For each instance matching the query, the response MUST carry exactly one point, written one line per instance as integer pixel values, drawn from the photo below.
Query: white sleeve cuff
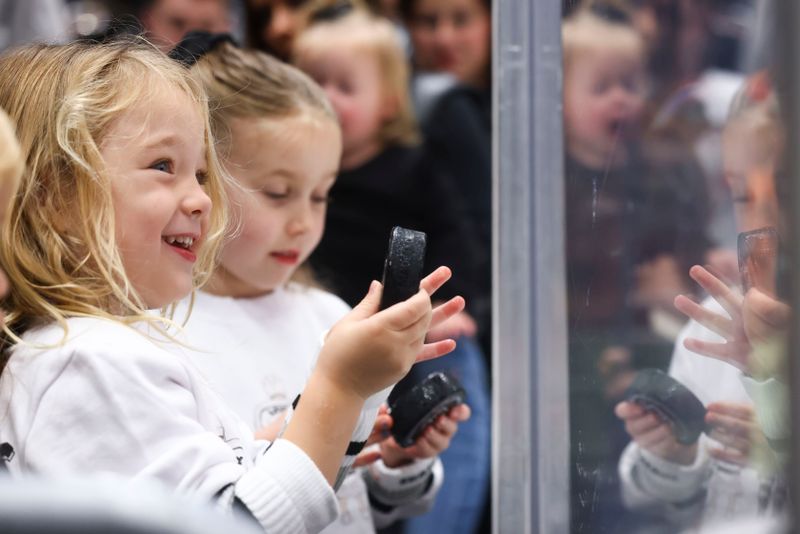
(286, 492)
(400, 485)
(669, 481)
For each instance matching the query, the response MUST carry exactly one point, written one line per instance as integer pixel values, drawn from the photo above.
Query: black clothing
(396, 188)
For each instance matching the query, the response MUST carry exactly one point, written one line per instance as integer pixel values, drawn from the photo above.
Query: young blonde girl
(258, 332)
(387, 178)
(120, 211)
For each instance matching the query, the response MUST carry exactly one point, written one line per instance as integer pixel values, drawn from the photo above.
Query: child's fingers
(444, 311)
(435, 280)
(407, 314)
(445, 425)
(628, 410)
(460, 412)
(729, 455)
(433, 441)
(380, 429)
(740, 411)
(733, 353)
(739, 444)
(435, 350)
(713, 321)
(367, 457)
(655, 436)
(730, 300)
(730, 425)
(642, 425)
(370, 303)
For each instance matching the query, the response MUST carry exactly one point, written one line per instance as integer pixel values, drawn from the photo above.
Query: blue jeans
(467, 462)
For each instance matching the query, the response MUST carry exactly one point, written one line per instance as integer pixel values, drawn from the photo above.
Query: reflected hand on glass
(735, 350)
(734, 426)
(653, 434)
(755, 318)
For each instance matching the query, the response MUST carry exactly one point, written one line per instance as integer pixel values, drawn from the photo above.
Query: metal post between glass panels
(531, 412)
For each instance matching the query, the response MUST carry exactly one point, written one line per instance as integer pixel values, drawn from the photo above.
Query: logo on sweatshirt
(6, 452)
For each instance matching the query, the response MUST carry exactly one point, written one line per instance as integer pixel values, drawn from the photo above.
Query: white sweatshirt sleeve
(397, 493)
(137, 412)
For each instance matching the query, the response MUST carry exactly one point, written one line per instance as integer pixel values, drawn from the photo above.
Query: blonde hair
(244, 84)
(756, 110)
(360, 30)
(586, 31)
(59, 249)
(10, 166)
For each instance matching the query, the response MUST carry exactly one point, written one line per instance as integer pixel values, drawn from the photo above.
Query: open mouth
(183, 245)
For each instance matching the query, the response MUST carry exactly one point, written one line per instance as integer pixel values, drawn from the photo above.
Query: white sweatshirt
(706, 491)
(110, 399)
(258, 353)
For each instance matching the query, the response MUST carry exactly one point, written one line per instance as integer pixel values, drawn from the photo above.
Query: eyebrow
(158, 142)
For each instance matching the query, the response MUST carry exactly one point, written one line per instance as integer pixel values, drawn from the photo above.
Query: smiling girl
(120, 211)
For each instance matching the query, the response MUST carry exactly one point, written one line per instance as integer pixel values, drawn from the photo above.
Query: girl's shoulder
(95, 344)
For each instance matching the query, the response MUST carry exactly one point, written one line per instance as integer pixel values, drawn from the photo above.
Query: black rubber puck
(414, 410)
(658, 392)
(402, 269)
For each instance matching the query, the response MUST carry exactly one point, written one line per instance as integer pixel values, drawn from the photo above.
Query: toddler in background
(120, 211)
(387, 179)
(258, 332)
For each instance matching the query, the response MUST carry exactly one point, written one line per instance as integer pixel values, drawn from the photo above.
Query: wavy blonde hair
(10, 166)
(376, 36)
(59, 249)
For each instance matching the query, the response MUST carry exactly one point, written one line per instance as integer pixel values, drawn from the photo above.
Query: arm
(363, 354)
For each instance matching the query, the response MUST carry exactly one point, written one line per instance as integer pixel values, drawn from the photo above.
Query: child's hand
(653, 434)
(735, 427)
(369, 350)
(735, 350)
(433, 440)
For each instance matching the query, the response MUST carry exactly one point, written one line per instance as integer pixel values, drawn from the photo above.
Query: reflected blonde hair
(59, 249)
(362, 31)
(585, 31)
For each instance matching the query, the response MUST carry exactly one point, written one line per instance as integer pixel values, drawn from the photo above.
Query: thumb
(370, 303)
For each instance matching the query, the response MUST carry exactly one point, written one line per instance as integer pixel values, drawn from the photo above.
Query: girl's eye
(202, 177)
(163, 165)
(275, 195)
(321, 199)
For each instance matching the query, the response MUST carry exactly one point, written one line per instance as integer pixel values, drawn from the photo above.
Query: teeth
(183, 241)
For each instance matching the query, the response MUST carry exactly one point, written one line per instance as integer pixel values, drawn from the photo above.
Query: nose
(300, 220)
(196, 203)
(444, 33)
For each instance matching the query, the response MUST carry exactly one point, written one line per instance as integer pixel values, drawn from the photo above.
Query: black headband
(198, 43)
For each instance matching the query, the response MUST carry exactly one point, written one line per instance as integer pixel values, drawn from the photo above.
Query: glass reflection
(672, 169)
